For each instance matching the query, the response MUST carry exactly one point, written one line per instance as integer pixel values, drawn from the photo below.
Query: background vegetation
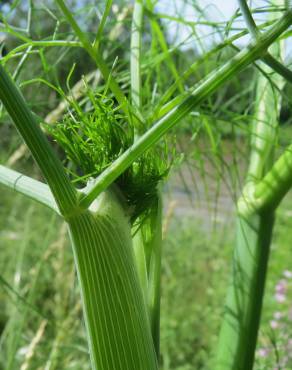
(40, 313)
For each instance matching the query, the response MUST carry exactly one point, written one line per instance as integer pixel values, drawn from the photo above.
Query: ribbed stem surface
(50, 165)
(114, 307)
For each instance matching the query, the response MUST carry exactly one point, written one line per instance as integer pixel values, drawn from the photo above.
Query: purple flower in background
(263, 352)
(281, 287)
(274, 324)
(287, 274)
(280, 298)
(278, 315)
(280, 324)
(281, 290)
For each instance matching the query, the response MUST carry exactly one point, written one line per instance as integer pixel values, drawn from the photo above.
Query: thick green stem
(207, 87)
(115, 311)
(239, 330)
(51, 167)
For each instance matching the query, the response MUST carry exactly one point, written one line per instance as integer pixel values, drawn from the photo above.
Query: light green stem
(101, 26)
(33, 189)
(154, 287)
(275, 185)
(141, 260)
(147, 244)
(41, 44)
(136, 38)
(147, 247)
(115, 311)
(239, 331)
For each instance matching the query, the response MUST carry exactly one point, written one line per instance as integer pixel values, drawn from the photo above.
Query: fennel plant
(109, 190)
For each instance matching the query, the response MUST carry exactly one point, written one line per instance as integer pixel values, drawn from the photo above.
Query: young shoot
(93, 136)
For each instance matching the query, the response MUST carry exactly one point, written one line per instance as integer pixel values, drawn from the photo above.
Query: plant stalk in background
(239, 331)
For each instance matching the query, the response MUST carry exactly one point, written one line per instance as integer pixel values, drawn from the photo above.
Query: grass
(41, 320)
(44, 279)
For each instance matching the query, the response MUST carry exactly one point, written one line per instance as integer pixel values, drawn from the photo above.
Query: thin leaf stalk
(95, 54)
(136, 40)
(154, 292)
(114, 309)
(27, 186)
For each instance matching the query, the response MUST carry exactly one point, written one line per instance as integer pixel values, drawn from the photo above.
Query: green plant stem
(102, 24)
(97, 57)
(41, 44)
(267, 191)
(27, 186)
(275, 185)
(268, 58)
(154, 275)
(147, 244)
(135, 67)
(208, 86)
(136, 32)
(115, 311)
(250, 23)
(240, 325)
(140, 258)
(264, 131)
(271, 189)
(51, 167)
(161, 109)
(239, 329)
(158, 34)
(278, 67)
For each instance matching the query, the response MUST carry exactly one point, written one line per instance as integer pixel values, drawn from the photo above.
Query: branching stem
(268, 58)
(51, 167)
(33, 189)
(208, 86)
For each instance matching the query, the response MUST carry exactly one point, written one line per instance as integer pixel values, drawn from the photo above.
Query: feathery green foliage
(95, 138)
